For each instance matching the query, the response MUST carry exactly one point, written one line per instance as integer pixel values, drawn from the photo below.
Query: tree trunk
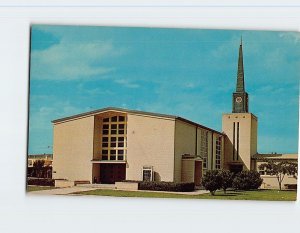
(280, 186)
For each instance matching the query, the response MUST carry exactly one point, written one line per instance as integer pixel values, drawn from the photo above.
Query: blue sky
(185, 72)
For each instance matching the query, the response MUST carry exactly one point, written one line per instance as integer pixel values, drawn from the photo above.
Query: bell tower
(240, 96)
(240, 126)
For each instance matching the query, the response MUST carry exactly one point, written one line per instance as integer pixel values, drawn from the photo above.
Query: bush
(246, 180)
(40, 181)
(227, 179)
(166, 186)
(212, 181)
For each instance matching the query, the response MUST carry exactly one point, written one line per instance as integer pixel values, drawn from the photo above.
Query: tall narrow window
(233, 144)
(204, 148)
(218, 152)
(237, 141)
(114, 138)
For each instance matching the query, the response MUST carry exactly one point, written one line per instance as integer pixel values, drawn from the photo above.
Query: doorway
(111, 173)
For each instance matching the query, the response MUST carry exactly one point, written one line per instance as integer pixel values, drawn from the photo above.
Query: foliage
(227, 179)
(247, 180)
(166, 186)
(39, 170)
(280, 169)
(212, 181)
(40, 181)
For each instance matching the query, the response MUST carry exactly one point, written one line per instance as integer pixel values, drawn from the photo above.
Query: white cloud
(127, 83)
(71, 61)
(40, 118)
(294, 36)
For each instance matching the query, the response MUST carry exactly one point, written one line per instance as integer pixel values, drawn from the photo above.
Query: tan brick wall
(73, 149)
(185, 143)
(187, 170)
(247, 135)
(150, 142)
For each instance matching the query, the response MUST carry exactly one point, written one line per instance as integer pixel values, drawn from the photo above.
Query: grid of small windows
(218, 152)
(204, 147)
(114, 138)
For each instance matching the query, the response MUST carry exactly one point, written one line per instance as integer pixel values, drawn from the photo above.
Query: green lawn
(264, 195)
(37, 188)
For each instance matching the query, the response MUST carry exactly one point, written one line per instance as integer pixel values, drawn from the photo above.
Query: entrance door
(236, 168)
(111, 173)
(198, 173)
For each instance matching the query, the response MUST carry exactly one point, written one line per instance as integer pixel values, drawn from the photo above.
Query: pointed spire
(240, 86)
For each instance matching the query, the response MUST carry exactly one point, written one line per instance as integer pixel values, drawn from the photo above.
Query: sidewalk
(82, 188)
(61, 191)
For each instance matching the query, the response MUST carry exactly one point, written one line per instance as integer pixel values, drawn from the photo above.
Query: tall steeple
(240, 86)
(240, 96)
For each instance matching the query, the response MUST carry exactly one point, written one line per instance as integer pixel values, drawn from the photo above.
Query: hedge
(40, 181)
(166, 186)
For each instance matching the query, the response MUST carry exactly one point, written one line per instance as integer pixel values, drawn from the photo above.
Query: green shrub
(246, 180)
(166, 186)
(212, 181)
(40, 181)
(227, 179)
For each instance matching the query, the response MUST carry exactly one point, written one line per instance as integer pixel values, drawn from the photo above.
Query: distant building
(114, 144)
(47, 158)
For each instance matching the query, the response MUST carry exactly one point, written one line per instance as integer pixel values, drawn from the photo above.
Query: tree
(226, 179)
(38, 166)
(279, 169)
(246, 180)
(212, 181)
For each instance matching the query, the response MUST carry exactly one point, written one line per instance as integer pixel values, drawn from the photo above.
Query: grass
(263, 195)
(32, 188)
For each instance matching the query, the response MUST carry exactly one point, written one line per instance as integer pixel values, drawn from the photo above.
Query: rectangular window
(205, 162)
(113, 152)
(147, 174)
(218, 152)
(104, 144)
(113, 131)
(233, 145)
(105, 132)
(114, 119)
(204, 147)
(113, 138)
(113, 144)
(237, 141)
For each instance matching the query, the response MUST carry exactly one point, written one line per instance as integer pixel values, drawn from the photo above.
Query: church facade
(114, 144)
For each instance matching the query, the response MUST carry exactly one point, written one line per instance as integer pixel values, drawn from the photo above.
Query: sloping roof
(98, 111)
(36, 156)
(274, 156)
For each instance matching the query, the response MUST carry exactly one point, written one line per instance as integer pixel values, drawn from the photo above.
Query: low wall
(64, 183)
(271, 182)
(126, 185)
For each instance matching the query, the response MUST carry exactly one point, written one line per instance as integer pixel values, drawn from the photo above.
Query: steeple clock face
(238, 99)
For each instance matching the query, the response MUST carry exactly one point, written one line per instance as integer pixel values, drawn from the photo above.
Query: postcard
(163, 113)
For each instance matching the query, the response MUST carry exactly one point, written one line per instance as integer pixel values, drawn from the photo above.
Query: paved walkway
(82, 188)
(60, 191)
